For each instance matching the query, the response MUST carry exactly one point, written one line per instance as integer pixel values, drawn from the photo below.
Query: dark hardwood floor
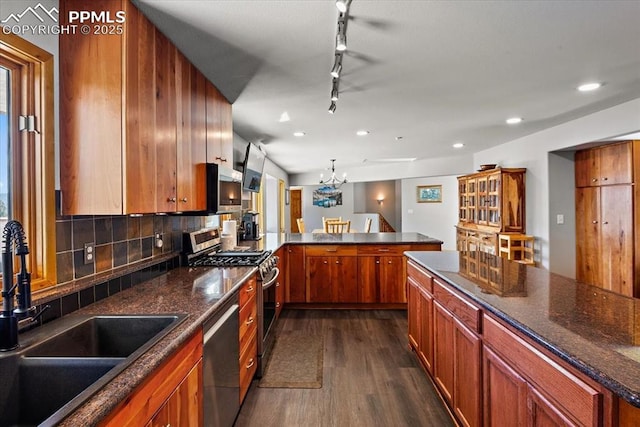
(370, 377)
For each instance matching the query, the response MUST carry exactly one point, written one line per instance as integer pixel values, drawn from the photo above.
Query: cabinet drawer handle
(337, 262)
(183, 200)
(250, 289)
(171, 199)
(222, 159)
(277, 304)
(331, 250)
(251, 363)
(594, 222)
(249, 321)
(594, 180)
(383, 250)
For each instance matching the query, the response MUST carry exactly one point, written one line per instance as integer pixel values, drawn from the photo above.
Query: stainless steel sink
(47, 380)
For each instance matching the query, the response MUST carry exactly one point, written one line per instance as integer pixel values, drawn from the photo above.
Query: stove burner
(230, 259)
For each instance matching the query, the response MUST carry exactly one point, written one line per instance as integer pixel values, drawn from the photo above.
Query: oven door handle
(274, 276)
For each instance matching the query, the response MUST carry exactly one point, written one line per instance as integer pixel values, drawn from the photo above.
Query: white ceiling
(431, 72)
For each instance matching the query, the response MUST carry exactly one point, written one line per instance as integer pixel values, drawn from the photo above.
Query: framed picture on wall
(429, 193)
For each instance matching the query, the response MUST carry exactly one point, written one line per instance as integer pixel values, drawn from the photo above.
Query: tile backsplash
(119, 241)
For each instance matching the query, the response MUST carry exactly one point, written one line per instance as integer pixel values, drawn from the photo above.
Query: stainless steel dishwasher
(221, 369)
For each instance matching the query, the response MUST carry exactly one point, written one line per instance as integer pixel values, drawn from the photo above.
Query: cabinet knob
(277, 304)
(606, 222)
(249, 321)
(277, 284)
(183, 200)
(389, 262)
(377, 262)
(251, 363)
(326, 262)
(337, 262)
(594, 222)
(605, 178)
(250, 289)
(171, 199)
(594, 180)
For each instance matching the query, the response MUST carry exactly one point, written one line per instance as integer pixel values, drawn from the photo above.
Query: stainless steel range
(202, 249)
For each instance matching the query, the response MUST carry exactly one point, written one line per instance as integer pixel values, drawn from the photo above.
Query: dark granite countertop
(272, 241)
(594, 330)
(196, 292)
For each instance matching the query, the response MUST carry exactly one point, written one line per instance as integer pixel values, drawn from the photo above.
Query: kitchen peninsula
(494, 333)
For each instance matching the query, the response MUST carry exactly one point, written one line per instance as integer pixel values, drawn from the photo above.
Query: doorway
(295, 208)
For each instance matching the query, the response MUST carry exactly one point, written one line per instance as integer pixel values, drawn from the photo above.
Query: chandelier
(333, 180)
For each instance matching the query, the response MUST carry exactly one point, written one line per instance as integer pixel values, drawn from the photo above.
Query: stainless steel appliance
(220, 368)
(202, 249)
(251, 226)
(224, 189)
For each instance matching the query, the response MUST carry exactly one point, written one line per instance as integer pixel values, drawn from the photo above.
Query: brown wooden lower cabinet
(296, 288)
(173, 390)
(247, 335)
(491, 375)
(183, 407)
(505, 393)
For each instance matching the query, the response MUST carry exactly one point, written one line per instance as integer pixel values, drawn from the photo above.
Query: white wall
(562, 237)
(532, 152)
(433, 219)
(271, 201)
(454, 165)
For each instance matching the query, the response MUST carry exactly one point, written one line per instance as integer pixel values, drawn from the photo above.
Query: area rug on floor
(295, 362)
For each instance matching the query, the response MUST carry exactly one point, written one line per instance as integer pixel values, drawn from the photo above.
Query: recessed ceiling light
(284, 117)
(399, 138)
(298, 134)
(514, 120)
(458, 145)
(588, 87)
(362, 132)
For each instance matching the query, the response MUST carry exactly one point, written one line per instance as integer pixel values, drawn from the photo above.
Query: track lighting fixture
(337, 66)
(334, 90)
(341, 46)
(341, 37)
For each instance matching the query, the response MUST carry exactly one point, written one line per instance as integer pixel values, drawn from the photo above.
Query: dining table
(321, 230)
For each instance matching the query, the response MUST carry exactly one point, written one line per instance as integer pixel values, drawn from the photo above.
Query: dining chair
(338, 226)
(367, 225)
(325, 220)
(300, 222)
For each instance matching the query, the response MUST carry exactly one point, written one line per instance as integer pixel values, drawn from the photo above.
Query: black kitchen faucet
(13, 235)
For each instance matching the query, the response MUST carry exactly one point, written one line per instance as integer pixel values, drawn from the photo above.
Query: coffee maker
(251, 226)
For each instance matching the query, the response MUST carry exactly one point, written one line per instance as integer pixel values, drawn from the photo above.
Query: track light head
(332, 108)
(341, 42)
(334, 93)
(337, 68)
(342, 5)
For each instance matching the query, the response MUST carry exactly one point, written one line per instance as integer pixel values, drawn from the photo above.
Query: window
(27, 176)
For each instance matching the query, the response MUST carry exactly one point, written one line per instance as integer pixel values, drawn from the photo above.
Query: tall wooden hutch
(490, 202)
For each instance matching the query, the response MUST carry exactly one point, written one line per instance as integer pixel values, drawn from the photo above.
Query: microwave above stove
(224, 189)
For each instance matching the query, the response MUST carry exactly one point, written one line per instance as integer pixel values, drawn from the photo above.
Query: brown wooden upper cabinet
(134, 120)
(219, 128)
(606, 165)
